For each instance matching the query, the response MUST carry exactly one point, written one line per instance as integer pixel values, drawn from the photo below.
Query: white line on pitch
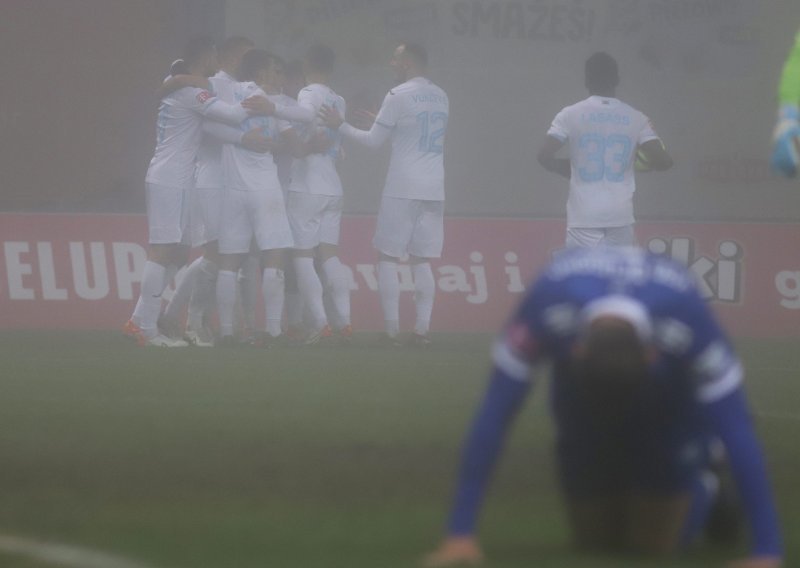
(63, 554)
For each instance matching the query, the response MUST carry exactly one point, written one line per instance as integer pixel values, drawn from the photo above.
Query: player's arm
(175, 82)
(319, 143)
(252, 140)
(731, 421)
(372, 138)
(547, 157)
(653, 156)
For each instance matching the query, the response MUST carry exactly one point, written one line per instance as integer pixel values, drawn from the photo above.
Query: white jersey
(246, 170)
(208, 172)
(284, 159)
(180, 130)
(316, 173)
(603, 135)
(416, 112)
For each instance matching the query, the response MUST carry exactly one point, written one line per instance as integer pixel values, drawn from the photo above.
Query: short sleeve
(647, 131)
(559, 127)
(389, 113)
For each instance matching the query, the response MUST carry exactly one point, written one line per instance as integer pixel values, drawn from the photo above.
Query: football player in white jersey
(606, 138)
(253, 206)
(315, 200)
(411, 218)
(197, 287)
(169, 179)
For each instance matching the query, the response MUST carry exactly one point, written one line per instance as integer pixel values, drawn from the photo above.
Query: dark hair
(179, 67)
(196, 48)
(417, 53)
(255, 61)
(602, 72)
(610, 369)
(235, 43)
(320, 58)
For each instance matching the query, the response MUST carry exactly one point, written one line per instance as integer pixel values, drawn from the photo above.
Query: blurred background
(77, 102)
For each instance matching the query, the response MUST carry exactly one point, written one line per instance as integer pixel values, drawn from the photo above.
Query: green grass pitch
(315, 457)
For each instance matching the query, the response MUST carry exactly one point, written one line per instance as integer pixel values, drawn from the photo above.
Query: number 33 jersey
(602, 134)
(416, 112)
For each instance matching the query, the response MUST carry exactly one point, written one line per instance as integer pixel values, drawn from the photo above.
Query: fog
(78, 123)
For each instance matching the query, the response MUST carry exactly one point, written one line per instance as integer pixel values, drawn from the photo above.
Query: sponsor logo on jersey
(204, 96)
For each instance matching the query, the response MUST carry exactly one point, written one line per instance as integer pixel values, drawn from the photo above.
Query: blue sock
(704, 491)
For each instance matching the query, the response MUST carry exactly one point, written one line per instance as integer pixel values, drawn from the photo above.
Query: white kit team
(248, 173)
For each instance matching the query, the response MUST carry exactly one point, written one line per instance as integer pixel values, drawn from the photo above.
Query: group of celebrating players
(245, 167)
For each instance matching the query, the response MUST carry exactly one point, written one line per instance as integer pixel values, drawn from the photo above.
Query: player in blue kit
(644, 380)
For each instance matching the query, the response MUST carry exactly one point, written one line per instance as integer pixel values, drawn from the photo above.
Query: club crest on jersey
(204, 96)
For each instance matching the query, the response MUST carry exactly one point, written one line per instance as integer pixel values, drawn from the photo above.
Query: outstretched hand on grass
(457, 551)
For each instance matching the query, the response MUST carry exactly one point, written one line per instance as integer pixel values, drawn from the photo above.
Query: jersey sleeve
(715, 368)
(199, 100)
(389, 113)
(789, 88)
(559, 127)
(647, 132)
(521, 343)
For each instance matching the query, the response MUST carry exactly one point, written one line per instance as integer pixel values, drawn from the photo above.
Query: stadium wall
(82, 271)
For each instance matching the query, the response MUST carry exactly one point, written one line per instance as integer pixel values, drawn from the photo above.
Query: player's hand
(258, 105)
(757, 562)
(330, 117)
(786, 142)
(255, 141)
(455, 551)
(364, 119)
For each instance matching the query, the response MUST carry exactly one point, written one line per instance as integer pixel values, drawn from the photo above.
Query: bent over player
(643, 380)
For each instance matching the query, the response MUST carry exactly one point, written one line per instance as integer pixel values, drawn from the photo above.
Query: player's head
(319, 60)
(231, 52)
(409, 60)
(200, 56)
(261, 67)
(612, 354)
(602, 74)
(293, 78)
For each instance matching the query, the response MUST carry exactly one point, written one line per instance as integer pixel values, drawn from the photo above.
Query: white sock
(226, 300)
(389, 290)
(148, 307)
(339, 288)
(248, 281)
(424, 291)
(272, 286)
(183, 291)
(311, 290)
(204, 296)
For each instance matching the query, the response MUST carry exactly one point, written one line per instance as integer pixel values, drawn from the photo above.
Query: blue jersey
(691, 392)
(695, 363)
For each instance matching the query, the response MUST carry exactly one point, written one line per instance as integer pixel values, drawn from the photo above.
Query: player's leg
(293, 303)
(235, 235)
(304, 219)
(250, 290)
(204, 297)
(427, 241)
(273, 237)
(273, 291)
(167, 213)
(337, 276)
(393, 230)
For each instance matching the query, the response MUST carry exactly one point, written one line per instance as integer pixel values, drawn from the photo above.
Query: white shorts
(314, 219)
(605, 236)
(410, 226)
(167, 214)
(206, 211)
(248, 215)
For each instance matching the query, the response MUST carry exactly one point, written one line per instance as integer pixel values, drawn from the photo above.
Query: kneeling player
(643, 380)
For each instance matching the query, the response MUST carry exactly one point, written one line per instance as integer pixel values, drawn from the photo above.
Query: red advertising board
(82, 271)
